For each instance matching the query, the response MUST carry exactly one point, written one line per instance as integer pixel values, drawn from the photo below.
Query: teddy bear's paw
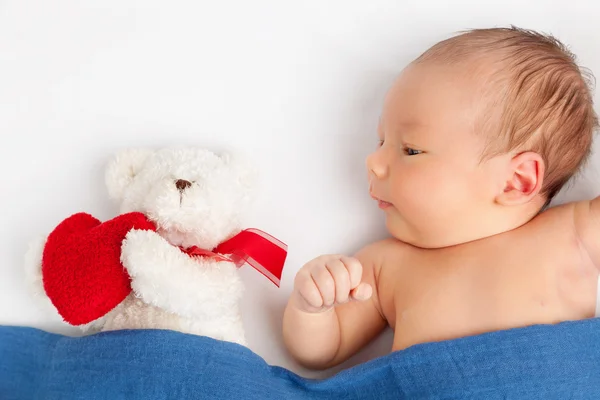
(159, 271)
(33, 274)
(144, 252)
(33, 262)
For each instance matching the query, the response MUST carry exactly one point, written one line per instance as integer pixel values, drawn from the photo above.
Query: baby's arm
(333, 310)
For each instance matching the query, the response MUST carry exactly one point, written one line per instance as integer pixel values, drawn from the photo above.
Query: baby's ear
(122, 169)
(525, 179)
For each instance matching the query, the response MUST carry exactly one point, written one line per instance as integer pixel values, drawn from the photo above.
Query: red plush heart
(81, 268)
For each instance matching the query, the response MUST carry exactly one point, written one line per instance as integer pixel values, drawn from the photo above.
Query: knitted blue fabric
(539, 362)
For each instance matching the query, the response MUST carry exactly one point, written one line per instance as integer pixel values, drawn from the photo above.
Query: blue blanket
(539, 362)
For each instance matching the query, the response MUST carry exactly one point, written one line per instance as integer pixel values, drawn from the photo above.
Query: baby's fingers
(342, 280)
(355, 270)
(308, 290)
(362, 292)
(325, 283)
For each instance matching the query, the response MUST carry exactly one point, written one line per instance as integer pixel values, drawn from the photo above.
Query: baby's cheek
(418, 189)
(436, 179)
(448, 186)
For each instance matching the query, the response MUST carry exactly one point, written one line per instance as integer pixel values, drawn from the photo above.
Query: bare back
(536, 274)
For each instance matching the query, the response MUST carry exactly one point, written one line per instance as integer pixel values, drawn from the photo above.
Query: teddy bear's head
(194, 196)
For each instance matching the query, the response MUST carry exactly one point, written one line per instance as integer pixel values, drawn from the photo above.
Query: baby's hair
(536, 97)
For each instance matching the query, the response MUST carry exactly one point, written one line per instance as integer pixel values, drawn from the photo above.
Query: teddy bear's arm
(33, 271)
(165, 277)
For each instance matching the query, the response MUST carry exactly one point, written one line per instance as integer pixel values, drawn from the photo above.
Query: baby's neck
(496, 222)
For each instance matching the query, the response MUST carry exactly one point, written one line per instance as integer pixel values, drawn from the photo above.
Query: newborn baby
(475, 138)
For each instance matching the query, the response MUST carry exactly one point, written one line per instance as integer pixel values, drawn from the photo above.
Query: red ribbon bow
(252, 246)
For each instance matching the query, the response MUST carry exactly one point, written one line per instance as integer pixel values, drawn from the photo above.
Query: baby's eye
(411, 152)
(380, 143)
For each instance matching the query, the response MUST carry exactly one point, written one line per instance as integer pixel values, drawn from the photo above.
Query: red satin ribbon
(252, 246)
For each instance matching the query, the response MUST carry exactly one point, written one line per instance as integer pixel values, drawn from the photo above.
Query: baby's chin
(423, 240)
(400, 232)
(421, 243)
(418, 232)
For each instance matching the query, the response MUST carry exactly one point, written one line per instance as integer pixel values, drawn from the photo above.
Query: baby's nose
(182, 184)
(376, 166)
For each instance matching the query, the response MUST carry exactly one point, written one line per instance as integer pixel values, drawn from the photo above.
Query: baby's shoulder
(586, 220)
(380, 253)
(576, 224)
(384, 260)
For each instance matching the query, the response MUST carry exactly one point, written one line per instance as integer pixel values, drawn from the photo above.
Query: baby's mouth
(384, 204)
(381, 203)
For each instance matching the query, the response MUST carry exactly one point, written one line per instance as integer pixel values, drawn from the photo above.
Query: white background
(297, 85)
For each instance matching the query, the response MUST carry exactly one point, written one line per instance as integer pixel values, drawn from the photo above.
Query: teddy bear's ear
(244, 169)
(122, 169)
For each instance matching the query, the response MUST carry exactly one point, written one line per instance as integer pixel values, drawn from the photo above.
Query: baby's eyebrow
(403, 125)
(411, 124)
(408, 122)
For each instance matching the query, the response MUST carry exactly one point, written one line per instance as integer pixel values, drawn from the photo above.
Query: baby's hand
(329, 280)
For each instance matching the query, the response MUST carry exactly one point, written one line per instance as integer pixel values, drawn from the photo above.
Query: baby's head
(478, 134)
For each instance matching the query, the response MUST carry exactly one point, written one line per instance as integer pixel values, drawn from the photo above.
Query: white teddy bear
(194, 198)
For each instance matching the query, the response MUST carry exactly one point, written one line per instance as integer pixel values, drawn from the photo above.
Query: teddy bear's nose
(182, 184)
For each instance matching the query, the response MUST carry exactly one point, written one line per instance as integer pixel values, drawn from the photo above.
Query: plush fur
(172, 290)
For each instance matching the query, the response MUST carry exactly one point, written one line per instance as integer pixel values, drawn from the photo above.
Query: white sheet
(296, 84)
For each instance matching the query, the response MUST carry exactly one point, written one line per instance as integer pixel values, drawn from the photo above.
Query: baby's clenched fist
(329, 280)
